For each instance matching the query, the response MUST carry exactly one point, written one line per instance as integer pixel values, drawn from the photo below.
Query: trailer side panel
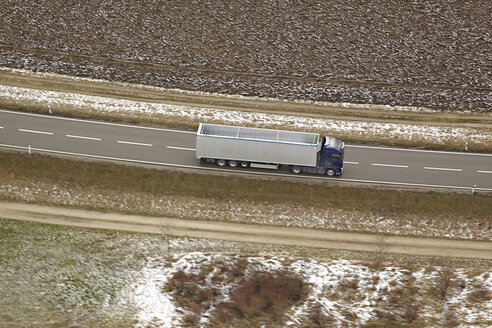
(257, 145)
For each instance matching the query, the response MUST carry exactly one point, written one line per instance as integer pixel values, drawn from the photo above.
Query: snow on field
(153, 306)
(339, 286)
(222, 95)
(195, 115)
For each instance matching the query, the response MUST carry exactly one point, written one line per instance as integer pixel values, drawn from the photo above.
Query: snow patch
(339, 286)
(432, 134)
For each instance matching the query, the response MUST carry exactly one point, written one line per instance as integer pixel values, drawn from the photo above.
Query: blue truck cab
(330, 159)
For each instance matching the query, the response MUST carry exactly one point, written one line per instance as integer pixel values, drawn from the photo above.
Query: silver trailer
(256, 147)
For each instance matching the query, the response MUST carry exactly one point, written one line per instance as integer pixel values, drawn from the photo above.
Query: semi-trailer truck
(237, 146)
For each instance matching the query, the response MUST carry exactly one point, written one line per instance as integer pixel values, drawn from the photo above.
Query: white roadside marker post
(30, 150)
(473, 190)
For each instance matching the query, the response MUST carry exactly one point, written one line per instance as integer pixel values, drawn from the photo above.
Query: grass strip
(158, 182)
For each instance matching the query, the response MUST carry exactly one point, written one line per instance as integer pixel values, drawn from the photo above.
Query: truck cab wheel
(233, 163)
(221, 162)
(244, 164)
(330, 172)
(296, 169)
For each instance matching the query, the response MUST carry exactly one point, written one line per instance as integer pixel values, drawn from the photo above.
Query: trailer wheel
(244, 164)
(296, 169)
(221, 162)
(330, 172)
(233, 163)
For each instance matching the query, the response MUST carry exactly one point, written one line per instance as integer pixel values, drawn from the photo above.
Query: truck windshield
(334, 142)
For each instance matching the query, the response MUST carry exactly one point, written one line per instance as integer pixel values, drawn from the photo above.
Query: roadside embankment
(265, 201)
(353, 123)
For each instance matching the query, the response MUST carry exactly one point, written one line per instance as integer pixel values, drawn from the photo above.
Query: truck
(301, 152)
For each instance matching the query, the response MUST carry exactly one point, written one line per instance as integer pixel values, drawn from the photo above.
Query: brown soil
(249, 232)
(433, 54)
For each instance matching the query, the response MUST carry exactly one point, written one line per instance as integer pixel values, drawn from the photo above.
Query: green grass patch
(51, 276)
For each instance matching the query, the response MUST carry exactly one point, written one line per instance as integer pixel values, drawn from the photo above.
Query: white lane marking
(194, 132)
(442, 169)
(239, 171)
(81, 137)
(180, 148)
(95, 122)
(1, 127)
(484, 171)
(35, 131)
(390, 165)
(420, 150)
(355, 163)
(134, 143)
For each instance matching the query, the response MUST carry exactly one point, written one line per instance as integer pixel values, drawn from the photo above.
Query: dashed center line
(134, 143)
(180, 148)
(38, 132)
(81, 137)
(390, 165)
(355, 163)
(442, 169)
(490, 172)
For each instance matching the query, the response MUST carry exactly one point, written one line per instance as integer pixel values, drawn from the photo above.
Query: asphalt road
(363, 164)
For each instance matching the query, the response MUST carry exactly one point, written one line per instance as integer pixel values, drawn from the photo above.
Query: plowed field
(424, 53)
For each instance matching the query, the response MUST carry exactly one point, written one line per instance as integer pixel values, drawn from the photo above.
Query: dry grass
(260, 297)
(159, 182)
(192, 293)
(318, 318)
(480, 295)
(95, 265)
(148, 191)
(255, 297)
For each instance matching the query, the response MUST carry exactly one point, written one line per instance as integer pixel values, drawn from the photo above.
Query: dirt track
(248, 232)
